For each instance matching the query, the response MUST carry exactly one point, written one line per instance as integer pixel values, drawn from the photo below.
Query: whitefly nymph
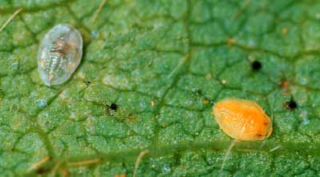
(59, 54)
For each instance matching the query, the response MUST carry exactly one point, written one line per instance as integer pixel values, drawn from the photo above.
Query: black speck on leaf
(114, 106)
(256, 65)
(291, 105)
(42, 171)
(87, 82)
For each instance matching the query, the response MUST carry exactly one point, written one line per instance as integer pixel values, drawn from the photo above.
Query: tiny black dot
(292, 104)
(114, 106)
(42, 171)
(256, 65)
(87, 82)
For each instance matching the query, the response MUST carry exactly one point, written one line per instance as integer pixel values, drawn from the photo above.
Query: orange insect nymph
(242, 119)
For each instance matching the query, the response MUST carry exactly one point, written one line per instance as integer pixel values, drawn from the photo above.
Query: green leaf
(161, 63)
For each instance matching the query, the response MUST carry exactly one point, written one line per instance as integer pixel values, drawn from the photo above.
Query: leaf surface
(161, 63)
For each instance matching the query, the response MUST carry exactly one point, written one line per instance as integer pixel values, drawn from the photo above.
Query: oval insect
(242, 119)
(59, 54)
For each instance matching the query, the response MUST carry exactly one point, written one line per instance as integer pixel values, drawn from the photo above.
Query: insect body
(59, 54)
(242, 119)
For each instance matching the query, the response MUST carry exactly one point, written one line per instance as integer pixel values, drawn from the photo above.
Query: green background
(176, 54)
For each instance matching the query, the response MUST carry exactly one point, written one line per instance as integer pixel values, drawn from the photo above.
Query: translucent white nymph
(59, 54)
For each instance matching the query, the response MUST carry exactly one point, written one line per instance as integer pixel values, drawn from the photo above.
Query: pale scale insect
(59, 54)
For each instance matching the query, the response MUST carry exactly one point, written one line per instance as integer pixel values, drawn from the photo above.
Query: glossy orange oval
(242, 119)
